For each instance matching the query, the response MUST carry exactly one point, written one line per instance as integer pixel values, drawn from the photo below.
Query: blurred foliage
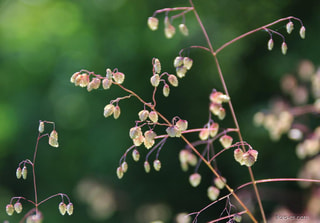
(43, 42)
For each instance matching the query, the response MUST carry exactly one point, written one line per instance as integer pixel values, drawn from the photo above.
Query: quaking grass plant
(151, 130)
(34, 215)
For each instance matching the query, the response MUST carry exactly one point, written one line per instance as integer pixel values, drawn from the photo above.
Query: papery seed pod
(116, 112)
(238, 155)
(78, 80)
(222, 113)
(153, 23)
(18, 172)
(214, 128)
(237, 218)
(90, 87)
(213, 193)
(182, 124)
(106, 83)
(108, 110)
(24, 172)
(226, 141)
(183, 156)
(62, 208)
(184, 166)
(109, 74)
(302, 32)
(204, 134)
(192, 159)
(181, 71)
(84, 80)
(138, 141)
(173, 80)
(135, 155)
(220, 182)
(135, 132)
(250, 157)
(215, 108)
(153, 116)
(284, 48)
(178, 62)
(95, 83)
(289, 27)
(143, 115)
(41, 127)
(187, 63)
(120, 172)
(216, 97)
(173, 131)
(224, 98)
(118, 77)
(195, 179)
(9, 209)
(156, 66)
(124, 166)
(18, 207)
(155, 80)
(148, 143)
(54, 134)
(166, 90)
(270, 44)
(70, 208)
(53, 142)
(169, 31)
(146, 166)
(183, 29)
(150, 135)
(74, 76)
(253, 153)
(157, 165)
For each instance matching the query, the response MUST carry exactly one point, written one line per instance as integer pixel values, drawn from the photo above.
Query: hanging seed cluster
(169, 29)
(284, 117)
(22, 173)
(289, 28)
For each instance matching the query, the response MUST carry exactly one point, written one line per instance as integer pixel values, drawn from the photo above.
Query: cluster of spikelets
(17, 207)
(148, 139)
(209, 134)
(289, 28)
(169, 29)
(247, 158)
(82, 79)
(277, 123)
(65, 208)
(23, 172)
(148, 116)
(182, 65)
(283, 117)
(53, 137)
(216, 100)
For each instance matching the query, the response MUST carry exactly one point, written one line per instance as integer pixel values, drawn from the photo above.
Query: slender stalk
(279, 180)
(195, 151)
(218, 176)
(235, 120)
(214, 54)
(226, 217)
(255, 30)
(34, 174)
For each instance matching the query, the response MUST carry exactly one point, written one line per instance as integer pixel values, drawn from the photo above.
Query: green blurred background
(43, 42)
